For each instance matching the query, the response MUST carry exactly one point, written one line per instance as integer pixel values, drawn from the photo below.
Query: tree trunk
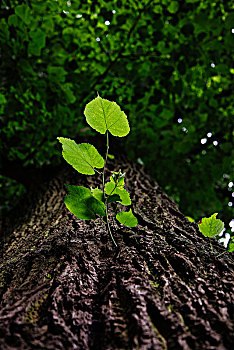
(65, 286)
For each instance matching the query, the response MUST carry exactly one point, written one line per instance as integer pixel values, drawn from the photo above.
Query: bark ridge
(63, 285)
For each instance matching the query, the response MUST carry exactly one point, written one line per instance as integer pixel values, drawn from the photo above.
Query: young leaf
(118, 177)
(190, 219)
(127, 218)
(98, 194)
(103, 115)
(83, 157)
(82, 204)
(231, 246)
(112, 187)
(124, 196)
(211, 226)
(111, 156)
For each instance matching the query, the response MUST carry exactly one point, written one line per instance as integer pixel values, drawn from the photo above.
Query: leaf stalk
(211, 245)
(108, 226)
(104, 194)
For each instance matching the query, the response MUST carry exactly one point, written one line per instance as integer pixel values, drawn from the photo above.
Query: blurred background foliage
(168, 64)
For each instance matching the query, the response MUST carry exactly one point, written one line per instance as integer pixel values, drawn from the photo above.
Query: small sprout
(211, 227)
(105, 117)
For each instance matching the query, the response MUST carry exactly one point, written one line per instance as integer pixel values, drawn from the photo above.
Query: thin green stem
(108, 226)
(103, 188)
(103, 173)
(211, 245)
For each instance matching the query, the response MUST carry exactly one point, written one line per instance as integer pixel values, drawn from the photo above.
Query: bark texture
(64, 285)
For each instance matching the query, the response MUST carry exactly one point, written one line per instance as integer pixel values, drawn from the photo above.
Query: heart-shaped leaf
(103, 115)
(83, 157)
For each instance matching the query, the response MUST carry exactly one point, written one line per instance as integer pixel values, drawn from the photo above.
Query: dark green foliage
(165, 60)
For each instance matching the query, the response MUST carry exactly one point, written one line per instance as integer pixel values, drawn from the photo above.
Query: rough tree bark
(64, 286)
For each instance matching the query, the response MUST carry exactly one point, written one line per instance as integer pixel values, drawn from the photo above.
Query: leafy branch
(105, 117)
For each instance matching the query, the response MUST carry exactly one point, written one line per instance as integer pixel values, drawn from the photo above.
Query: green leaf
(173, 7)
(118, 177)
(127, 218)
(2, 99)
(190, 219)
(57, 74)
(211, 226)
(23, 12)
(13, 20)
(98, 194)
(124, 196)
(38, 42)
(82, 204)
(83, 157)
(103, 115)
(231, 246)
(4, 31)
(112, 187)
(67, 88)
(111, 156)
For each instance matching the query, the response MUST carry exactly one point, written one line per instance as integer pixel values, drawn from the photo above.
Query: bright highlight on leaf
(173, 7)
(211, 226)
(82, 204)
(190, 219)
(83, 157)
(103, 115)
(98, 194)
(111, 156)
(231, 246)
(127, 218)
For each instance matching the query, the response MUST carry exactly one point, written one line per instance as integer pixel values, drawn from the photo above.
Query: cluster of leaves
(213, 227)
(105, 117)
(164, 60)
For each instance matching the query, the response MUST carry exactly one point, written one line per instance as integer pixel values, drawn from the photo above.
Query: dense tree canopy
(166, 63)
